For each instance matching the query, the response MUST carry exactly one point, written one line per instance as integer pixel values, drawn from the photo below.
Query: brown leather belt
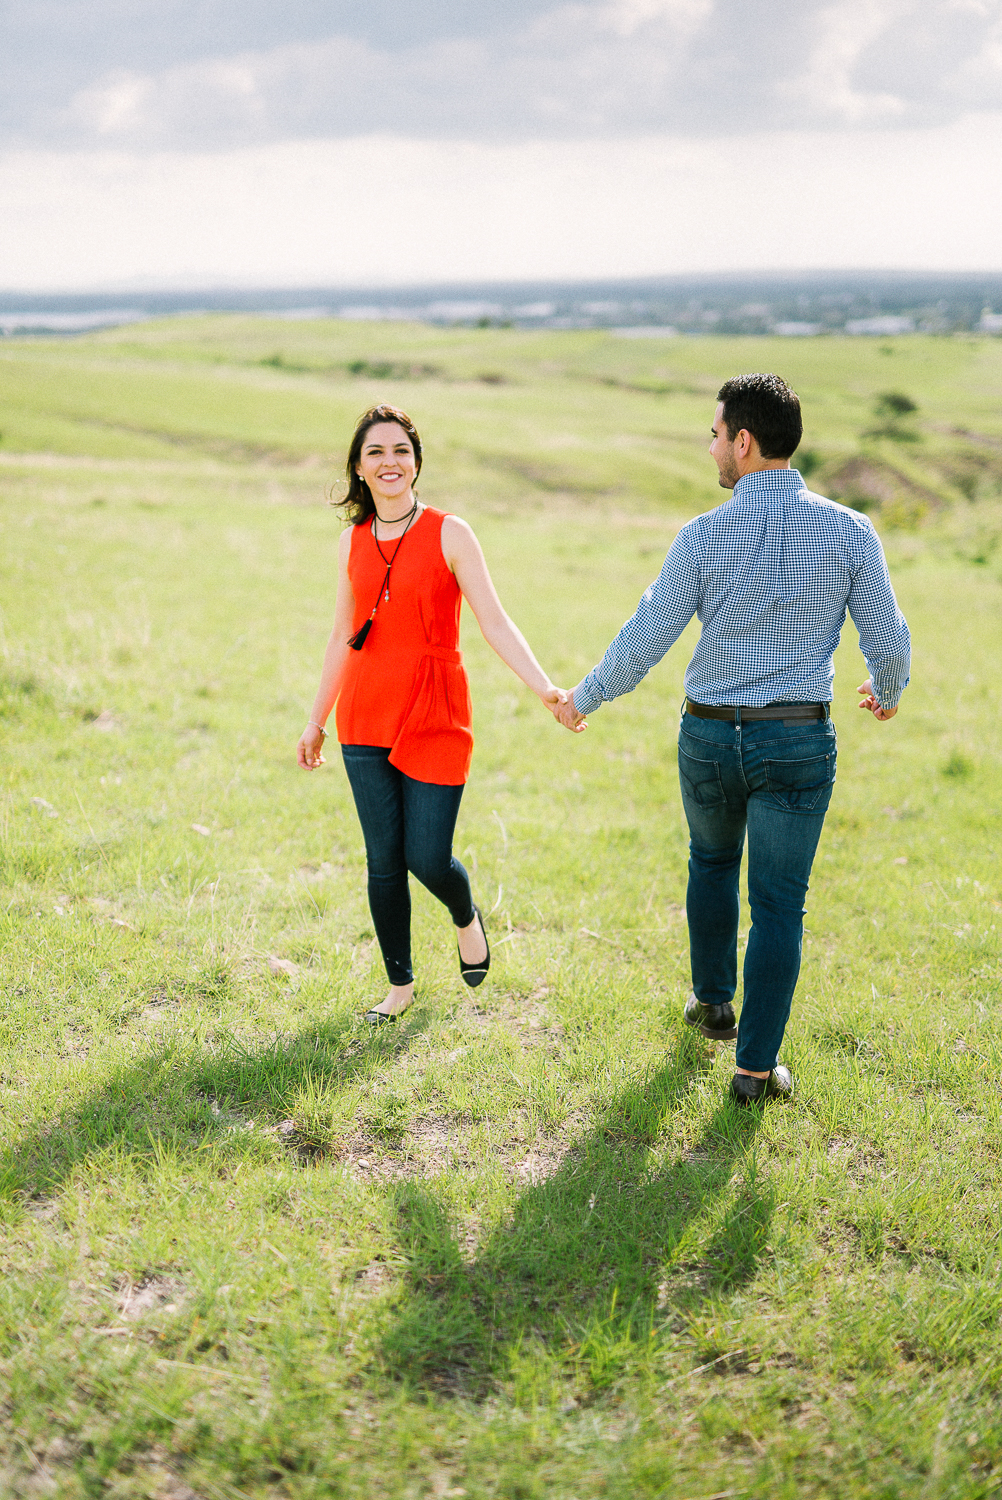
(789, 712)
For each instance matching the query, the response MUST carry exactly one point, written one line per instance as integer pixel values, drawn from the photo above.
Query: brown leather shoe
(778, 1085)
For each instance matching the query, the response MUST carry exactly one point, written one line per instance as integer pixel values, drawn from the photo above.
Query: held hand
(309, 751)
(869, 700)
(557, 701)
(568, 714)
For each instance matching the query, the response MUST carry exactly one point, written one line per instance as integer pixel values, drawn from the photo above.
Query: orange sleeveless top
(407, 688)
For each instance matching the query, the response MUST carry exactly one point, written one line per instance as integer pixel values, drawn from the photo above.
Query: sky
(208, 142)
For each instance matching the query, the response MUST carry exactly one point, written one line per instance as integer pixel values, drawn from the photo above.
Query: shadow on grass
(186, 1100)
(580, 1268)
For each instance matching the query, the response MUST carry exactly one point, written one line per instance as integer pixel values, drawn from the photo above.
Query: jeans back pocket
(802, 784)
(701, 780)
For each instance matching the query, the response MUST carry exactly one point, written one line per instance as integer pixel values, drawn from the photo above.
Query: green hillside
(519, 1245)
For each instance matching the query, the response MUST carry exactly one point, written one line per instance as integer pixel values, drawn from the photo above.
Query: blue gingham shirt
(770, 574)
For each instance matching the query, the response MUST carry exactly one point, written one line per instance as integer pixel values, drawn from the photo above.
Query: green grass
(520, 1245)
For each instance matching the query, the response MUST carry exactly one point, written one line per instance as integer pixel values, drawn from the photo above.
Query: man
(770, 573)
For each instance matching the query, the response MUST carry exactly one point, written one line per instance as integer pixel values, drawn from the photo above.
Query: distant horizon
(786, 304)
(174, 287)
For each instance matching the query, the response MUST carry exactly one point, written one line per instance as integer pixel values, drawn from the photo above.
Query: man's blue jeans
(775, 782)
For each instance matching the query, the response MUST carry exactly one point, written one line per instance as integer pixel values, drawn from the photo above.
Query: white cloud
(625, 18)
(983, 70)
(599, 67)
(843, 33)
(231, 97)
(116, 107)
(299, 213)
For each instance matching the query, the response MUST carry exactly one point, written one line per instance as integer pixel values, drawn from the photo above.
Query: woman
(403, 700)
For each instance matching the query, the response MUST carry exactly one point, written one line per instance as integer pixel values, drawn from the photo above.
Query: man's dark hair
(767, 408)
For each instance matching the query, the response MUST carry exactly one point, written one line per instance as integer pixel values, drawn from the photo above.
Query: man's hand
(568, 714)
(869, 701)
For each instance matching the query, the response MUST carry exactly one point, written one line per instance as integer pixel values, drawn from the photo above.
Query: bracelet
(312, 724)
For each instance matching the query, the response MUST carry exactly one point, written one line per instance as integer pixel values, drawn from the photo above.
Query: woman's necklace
(357, 641)
(405, 517)
(389, 561)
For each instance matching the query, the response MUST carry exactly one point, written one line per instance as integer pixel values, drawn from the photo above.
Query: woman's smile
(387, 462)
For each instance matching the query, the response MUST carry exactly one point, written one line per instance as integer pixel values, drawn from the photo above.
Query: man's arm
(664, 611)
(883, 633)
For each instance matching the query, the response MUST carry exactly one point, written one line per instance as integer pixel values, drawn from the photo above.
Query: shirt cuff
(587, 696)
(889, 685)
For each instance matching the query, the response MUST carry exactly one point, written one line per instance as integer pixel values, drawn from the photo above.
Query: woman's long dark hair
(357, 505)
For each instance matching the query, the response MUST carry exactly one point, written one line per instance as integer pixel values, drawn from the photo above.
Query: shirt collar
(767, 482)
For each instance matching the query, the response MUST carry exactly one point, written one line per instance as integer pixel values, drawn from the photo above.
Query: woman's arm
(310, 746)
(465, 558)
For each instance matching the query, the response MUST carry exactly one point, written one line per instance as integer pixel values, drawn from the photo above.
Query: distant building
(68, 323)
(990, 322)
(646, 331)
(462, 312)
(880, 327)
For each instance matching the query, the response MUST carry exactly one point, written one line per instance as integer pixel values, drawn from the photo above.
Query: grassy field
(520, 1245)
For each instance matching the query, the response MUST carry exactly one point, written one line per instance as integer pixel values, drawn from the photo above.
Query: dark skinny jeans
(407, 826)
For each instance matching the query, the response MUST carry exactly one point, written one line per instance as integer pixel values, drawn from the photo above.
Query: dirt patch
(137, 1299)
(982, 439)
(683, 1284)
(431, 1145)
(974, 474)
(309, 1148)
(374, 1279)
(282, 967)
(158, 998)
(541, 1162)
(439, 1145)
(158, 1003)
(549, 478)
(370, 1160)
(45, 1210)
(866, 483)
(860, 1164)
(211, 446)
(527, 1018)
(49, 1476)
(315, 874)
(176, 1489)
(428, 1146)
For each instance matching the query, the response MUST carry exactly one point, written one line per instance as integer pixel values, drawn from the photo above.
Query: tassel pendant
(357, 641)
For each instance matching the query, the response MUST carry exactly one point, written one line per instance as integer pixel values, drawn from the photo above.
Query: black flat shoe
(475, 974)
(778, 1085)
(715, 1021)
(380, 1018)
